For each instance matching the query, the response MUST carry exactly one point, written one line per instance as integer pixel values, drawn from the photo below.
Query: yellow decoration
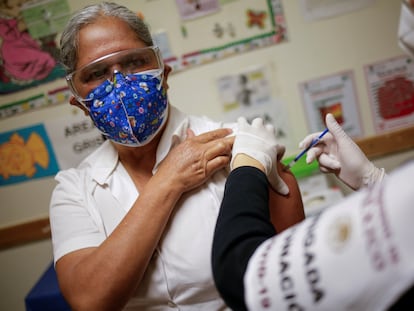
(18, 158)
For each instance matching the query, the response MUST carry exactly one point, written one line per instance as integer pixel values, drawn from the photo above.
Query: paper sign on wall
(332, 94)
(73, 137)
(45, 17)
(391, 92)
(26, 154)
(248, 93)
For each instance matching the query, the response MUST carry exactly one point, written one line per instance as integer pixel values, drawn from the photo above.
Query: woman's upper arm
(72, 224)
(286, 211)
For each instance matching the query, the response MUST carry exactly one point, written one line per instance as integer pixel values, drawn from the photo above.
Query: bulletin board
(209, 30)
(203, 30)
(28, 47)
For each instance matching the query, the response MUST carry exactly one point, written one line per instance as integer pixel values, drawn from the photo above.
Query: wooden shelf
(24, 233)
(388, 143)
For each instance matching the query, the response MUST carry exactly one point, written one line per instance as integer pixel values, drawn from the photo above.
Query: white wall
(313, 50)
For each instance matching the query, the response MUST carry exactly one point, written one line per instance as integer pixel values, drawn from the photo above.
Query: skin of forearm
(104, 278)
(242, 159)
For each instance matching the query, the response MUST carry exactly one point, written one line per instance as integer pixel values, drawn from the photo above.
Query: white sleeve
(356, 255)
(72, 222)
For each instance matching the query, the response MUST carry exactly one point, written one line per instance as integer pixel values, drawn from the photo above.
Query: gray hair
(69, 39)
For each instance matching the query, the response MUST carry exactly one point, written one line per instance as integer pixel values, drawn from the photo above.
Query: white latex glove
(338, 153)
(259, 142)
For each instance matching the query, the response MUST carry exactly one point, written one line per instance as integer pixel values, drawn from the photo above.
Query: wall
(313, 50)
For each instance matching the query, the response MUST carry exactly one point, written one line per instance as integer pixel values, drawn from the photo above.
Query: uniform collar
(174, 133)
(103, 161)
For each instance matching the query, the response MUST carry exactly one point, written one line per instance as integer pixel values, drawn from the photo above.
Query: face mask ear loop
(112, 79)
(161, 63)
(80, 100)
(87, 107)
(159, 86)
(83, 102)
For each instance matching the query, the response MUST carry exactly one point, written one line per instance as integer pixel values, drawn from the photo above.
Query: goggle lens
(127, 62)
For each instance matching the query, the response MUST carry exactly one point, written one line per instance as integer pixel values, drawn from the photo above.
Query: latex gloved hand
(259, 142)
(338, 153)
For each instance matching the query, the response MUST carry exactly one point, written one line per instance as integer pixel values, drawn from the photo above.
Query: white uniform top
(357, 255)
(89, 202)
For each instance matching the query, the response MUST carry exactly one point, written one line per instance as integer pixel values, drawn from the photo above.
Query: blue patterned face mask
(131, 109)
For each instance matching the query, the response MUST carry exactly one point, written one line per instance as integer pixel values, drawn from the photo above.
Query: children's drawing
(25, 61)
(26, 154)
(18, 157)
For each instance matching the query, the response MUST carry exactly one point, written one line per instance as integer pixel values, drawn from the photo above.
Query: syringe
(313, 143)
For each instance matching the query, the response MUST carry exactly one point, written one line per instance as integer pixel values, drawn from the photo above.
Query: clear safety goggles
(90, 76)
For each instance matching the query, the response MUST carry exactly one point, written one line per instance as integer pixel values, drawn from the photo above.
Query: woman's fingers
(195, 159)
(213, 135)
(219, 147)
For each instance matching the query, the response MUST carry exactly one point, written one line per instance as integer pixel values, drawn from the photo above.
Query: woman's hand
(194, 160)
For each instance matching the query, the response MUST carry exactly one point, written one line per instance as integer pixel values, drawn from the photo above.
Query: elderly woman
(132, 225)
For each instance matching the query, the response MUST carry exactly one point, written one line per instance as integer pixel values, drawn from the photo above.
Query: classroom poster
(248, 94)
(249, 88)
(313, 10)
(332, 94)
(209, 30)
(73, 138)
(391, 93)
(26, 154)
(196, 8)
(28, 46)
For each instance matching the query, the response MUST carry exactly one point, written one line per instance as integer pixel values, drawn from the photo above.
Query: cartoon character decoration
(256, 18)
(18, 158)
(23, 59)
